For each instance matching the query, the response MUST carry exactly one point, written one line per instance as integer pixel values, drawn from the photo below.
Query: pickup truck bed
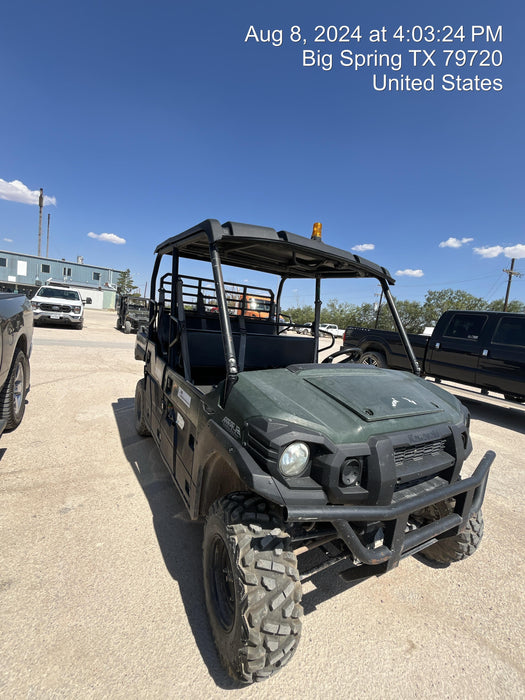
(479, 348)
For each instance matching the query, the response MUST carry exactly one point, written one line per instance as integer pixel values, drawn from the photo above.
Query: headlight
(77, 309)
(294, 459)
(35, 304)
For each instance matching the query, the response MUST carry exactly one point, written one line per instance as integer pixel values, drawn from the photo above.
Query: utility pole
(511, 274)
(41, 206)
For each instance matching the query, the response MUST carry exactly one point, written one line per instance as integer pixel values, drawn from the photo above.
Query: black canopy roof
(267, 250)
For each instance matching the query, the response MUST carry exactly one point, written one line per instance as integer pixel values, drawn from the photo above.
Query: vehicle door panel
(502, 364)
(455, 354)
(178, 429)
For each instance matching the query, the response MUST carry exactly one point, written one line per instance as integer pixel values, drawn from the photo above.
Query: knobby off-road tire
(376, 359)
(452, 549)
(140, 419)
(13, 394)
(252, 587)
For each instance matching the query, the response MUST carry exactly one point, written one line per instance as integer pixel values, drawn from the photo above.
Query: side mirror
(89, 300)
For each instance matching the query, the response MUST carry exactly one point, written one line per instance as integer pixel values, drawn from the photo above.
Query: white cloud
(489, 251)
(107, 237)
(515, 251)
(363, 247)
(511, 251)
(16, 191)
(455, 242)
(410, 273)
(8, 240)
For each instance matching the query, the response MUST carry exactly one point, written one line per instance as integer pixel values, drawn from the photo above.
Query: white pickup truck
(331, 329)
(61, 305)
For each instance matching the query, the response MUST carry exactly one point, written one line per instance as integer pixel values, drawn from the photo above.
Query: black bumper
(398, 542)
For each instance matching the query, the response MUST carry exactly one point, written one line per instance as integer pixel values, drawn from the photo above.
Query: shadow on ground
(505, 417)
(180, 539)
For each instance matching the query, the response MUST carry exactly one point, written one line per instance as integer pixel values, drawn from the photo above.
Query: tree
(125, 284)
(436, 303)
(411, 314)
(514, 306)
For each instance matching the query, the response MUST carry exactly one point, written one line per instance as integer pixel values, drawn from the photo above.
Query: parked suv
(286, 456)
(61, 305)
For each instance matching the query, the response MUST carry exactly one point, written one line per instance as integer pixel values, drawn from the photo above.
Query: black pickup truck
(16, 337)
(480, 348)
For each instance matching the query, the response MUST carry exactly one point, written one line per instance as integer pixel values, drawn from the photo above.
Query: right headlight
(294, 459)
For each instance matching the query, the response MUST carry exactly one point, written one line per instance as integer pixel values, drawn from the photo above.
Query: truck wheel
(13, 395)
(376, 359)
(127, 327)
(140, 419)
(252, 587)
(451, 549)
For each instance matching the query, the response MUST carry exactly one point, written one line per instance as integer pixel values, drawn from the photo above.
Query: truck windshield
(68, 294)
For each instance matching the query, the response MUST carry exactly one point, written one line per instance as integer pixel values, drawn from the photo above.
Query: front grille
(57, 308)
(416, 453)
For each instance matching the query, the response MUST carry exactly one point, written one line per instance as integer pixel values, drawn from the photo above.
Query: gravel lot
(101, 592)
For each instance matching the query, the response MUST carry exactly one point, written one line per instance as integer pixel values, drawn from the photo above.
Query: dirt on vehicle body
(283, 454)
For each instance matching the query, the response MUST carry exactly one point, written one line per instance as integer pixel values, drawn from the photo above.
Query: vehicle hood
(58, 300)
(345, 403)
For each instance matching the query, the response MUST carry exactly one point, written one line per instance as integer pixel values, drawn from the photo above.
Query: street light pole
(47, 244)
(41, 206)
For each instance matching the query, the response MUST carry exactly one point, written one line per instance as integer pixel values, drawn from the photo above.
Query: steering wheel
(354, 355)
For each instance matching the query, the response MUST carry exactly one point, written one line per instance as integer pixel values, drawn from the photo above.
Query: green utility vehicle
(286, 456)
(132, 312)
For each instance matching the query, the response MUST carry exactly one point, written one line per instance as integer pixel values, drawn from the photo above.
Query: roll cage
(281, 253)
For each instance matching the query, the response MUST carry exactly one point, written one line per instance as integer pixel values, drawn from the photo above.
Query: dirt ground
(100, 578)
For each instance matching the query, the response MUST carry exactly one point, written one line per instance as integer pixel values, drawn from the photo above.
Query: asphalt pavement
(100, 578)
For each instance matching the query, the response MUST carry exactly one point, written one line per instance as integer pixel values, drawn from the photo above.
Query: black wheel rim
(222, 584)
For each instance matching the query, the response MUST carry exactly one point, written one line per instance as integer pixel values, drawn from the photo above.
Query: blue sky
(141, 119)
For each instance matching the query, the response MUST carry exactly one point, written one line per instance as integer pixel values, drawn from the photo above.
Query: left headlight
(35, 305)
(294, 459)
(77, 309)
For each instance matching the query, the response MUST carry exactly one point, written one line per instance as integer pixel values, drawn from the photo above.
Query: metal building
(26, 273)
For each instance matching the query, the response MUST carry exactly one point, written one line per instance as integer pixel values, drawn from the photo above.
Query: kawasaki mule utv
(132, 312)
(283, 454)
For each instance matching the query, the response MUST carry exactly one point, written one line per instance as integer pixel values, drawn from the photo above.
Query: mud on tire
(252, 587)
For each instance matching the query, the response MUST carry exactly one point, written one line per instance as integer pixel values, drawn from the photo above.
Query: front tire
(458, 547)
(252, 587)
(13, 395)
